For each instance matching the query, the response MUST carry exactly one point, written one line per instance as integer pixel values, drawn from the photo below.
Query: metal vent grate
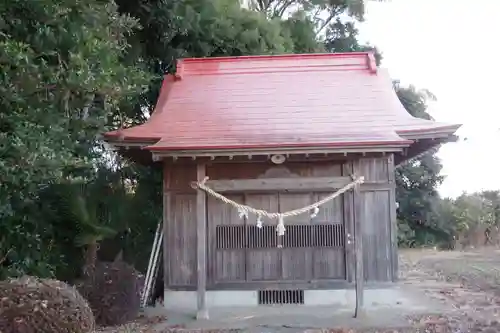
(296, 236)
(267, 297)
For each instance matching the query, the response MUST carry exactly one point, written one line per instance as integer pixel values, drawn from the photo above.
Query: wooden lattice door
(311, 249)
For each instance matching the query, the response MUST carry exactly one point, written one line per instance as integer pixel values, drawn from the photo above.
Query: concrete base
(188, 299)
(384, 308)
(202, 314)
(392, 297)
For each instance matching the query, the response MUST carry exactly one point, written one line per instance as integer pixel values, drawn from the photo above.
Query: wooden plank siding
(236, 264)
(376, 218)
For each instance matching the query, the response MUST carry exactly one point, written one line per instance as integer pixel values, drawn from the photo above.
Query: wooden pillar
(201, 237)
(358, 244)
(166, 232)
(393, 218)
(349, 226)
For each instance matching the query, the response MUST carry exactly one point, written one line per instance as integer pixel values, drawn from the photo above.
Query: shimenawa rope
(244, 210)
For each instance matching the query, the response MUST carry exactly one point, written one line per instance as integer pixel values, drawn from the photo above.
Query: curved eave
(429, 133)
(151, 141)
(123, 136)
(407, 144)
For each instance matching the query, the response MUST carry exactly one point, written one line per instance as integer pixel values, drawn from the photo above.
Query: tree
(206, 28)
(475, 218)
(319, 12)
(492, 206)
(343, 37)
(63, 70)
(419, 202)
(72, 69)
(417, 183)
(88, 212)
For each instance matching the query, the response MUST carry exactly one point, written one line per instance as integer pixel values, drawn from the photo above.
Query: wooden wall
(378, 198)
(378, 214)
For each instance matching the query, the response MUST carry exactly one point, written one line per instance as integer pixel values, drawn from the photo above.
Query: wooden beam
(300, 184)
(201, 237)
(279, 184)
(358, 243)
(375, 186)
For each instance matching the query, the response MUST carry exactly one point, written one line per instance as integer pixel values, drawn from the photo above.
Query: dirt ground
(468, 282)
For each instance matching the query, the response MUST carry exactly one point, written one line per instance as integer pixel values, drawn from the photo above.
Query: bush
(32, 305)
(113, 292)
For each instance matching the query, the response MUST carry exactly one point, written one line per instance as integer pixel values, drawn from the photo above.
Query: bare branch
(318, 11)
(285, 5)
(264, 5)
(325, 23)
(2, 260)
(261, 5)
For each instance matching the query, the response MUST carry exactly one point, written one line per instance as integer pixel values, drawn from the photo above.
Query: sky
(446, 46)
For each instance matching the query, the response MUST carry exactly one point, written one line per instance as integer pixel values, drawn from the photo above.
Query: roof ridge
(271, 70)
(267, 57)
(276, 63)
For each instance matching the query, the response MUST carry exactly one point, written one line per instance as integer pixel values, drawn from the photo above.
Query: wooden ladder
(153, 267)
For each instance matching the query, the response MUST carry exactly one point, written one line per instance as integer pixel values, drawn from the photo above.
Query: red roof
(313, 100)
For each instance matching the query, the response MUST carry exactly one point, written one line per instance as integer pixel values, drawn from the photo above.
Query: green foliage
(416, 184)
(72, 69)
(93, 209)
(319, 12)
(115, 210)
(470, 211)
(421, 217)
(343, 37)
(300, 29)
(420, 220)
(144, 214)
(63, 69)
(469, 220)
(207, 28)
(222, 28)
(84, 211)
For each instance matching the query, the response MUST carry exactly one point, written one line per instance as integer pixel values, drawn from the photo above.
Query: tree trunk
(90, 258)
(119, 256)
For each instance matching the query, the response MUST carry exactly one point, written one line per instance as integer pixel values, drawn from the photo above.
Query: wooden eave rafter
(286, 150)
(126, 144)
(255, 152)
(419, 148)
(266, 158)
(251, 153)
(432, 138)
